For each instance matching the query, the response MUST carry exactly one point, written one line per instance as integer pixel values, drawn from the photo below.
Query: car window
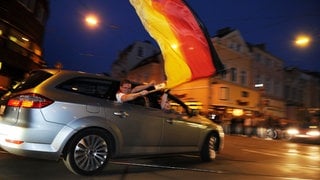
(100, 88)
(173, 103)
(155, 99)
(176, 107)
(34, 79)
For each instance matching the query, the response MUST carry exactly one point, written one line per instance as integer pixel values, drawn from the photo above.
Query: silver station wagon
(59, 114)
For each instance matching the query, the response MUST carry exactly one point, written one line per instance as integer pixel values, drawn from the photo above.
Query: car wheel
(88, 152)
(209, 147)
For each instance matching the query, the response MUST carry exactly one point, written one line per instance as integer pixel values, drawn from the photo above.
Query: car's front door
(138, 128)
(179, 134)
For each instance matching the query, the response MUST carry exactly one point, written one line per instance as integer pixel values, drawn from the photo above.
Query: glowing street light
(92, 20)
(302, 41)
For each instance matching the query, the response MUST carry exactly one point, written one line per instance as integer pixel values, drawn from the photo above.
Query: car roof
(72, 72)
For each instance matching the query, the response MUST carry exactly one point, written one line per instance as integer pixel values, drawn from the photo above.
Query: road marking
(264, 153)
(314, 157)
(167, 167)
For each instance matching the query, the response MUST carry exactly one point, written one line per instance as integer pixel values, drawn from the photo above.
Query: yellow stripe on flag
(176, 69)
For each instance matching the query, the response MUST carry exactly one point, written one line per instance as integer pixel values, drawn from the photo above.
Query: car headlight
(313, 133)
(292, 131)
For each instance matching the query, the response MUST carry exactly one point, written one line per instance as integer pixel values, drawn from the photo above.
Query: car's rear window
(34, 79)
(100, 88)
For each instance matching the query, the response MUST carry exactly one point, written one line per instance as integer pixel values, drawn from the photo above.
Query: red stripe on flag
(193, 43)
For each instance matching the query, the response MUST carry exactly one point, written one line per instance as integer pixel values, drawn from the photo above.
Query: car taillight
(29, 101)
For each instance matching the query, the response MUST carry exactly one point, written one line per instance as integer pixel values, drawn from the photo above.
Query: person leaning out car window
(127, 93)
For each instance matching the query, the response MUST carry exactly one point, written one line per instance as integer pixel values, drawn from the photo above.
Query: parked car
(59, 114)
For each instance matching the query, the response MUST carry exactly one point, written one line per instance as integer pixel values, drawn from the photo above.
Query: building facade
(255, 86)
(302, 94)
(132, 57)
(255, 75)
(22, 28)
(268, 78)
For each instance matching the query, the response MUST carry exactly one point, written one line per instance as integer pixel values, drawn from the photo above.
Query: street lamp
(92, 20)
(302, 40)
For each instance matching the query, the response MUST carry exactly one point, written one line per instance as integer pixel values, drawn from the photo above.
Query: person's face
(125, 88)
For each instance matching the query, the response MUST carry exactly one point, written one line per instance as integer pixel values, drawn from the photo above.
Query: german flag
(184, 42)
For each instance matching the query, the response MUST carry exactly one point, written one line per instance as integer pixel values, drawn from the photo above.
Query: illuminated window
(2, 29)
(36, 49)
(19, 39)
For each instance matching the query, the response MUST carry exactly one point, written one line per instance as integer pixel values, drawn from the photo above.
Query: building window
(267, 85)
(233, 76)
(238, 47)
(224, 93)
(287, 94)
(300, 95)
(224, 75)
(243, 77)
(258, 57)
(277, 89)
(36, 49)
(268, 62)
(231, 44)
(244, 94)
(258, 79)
(2, 28)
(19, 39)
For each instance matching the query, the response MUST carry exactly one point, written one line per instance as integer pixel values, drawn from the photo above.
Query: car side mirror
(215, 118)
(194, 112)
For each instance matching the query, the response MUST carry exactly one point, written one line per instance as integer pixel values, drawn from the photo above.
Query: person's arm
(164, 100)
(142, 87)
(132, 96)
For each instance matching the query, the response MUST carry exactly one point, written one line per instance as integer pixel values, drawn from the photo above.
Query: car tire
(209, 148)
(88, 152)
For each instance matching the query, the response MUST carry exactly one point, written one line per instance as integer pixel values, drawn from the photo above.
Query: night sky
(273, 22)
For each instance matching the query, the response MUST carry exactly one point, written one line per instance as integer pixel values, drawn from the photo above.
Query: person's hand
(152, 83)
(143, 92)
(160, 86)
(167, 91)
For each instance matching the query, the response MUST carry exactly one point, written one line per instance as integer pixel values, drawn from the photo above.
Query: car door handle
(170, 121)
(121, 114)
